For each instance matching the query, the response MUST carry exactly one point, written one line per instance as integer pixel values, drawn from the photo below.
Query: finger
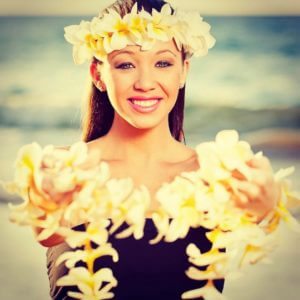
(257, 176)
(260, 162)
(241, 200)
(237, 174)
(260, 177)
(251, 190)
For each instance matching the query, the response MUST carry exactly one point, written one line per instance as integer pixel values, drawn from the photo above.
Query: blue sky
(216, 7)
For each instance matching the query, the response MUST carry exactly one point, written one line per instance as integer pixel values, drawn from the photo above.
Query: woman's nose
(145, 80)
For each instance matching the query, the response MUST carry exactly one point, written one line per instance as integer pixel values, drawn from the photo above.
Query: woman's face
(143, 85)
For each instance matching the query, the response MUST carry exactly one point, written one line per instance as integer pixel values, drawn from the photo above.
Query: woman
(134, 121)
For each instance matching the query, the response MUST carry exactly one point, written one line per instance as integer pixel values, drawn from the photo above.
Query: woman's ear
(185, 70)
(96, 76)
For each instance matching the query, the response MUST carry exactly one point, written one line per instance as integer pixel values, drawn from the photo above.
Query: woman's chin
(145, 122)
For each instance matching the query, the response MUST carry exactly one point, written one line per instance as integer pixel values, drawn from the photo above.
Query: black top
(144, 271)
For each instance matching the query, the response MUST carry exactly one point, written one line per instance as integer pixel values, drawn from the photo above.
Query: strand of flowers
(200, 198)
(126, 210)
(206, 198)
(60, 193)
(110, 32)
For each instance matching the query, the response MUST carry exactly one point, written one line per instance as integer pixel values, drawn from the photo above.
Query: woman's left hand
(261, 194)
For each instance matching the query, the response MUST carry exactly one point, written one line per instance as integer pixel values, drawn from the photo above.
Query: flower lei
(111, 32)
(204, 197)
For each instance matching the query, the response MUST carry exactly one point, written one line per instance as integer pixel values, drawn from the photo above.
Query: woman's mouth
(145, 105)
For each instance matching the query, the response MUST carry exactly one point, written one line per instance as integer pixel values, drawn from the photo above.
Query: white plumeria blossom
(110, 32)
(95, 232)
(204, 197)
(208, 292)
(89, 284)
(72, 257)
(134, 209)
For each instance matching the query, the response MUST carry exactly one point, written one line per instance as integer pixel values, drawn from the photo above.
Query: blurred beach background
(249, 82)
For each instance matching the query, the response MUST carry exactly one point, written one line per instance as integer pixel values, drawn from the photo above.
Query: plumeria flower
(213, 271)
(161, 221)
(27, 164)
(178, 200)
(76, 35)
(160, 23)
(117, 32)
(92, 201)
(83, 205)
(95, 232)
(228, 152)
(134, 210)
(202, 259)
(211, 169)
(24, 213)
(137, 22)
(119, 189)
(72, 257)
(50, 224)
(281, 212)
(208, 292)
(197, 37)
(89, 284)
(247, 244)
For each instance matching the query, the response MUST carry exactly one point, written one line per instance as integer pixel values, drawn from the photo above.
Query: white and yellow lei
(102, 35)
(204, 197)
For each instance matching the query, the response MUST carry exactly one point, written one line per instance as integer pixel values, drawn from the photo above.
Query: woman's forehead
(158, 47)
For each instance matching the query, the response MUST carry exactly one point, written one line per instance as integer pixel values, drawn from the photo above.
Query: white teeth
(145, 103)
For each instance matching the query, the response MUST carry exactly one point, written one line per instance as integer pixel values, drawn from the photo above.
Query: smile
(148, 105)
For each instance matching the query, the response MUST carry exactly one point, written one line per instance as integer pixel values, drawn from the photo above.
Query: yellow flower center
(121, 27)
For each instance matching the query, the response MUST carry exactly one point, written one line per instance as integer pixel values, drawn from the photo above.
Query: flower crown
(111, 32)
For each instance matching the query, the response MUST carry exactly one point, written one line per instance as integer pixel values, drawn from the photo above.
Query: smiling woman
(134, 111)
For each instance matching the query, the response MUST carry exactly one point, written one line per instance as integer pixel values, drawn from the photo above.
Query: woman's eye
(125, 66)
(163, 64)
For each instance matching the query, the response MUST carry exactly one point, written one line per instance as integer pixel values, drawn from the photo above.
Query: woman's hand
(55, 196)
(261, 194)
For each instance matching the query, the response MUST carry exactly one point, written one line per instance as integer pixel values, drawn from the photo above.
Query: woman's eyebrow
(122, 52)
(166, 50)
(132, 53)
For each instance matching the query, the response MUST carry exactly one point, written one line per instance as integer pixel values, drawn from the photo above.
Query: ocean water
(254, 65)
(249, 81)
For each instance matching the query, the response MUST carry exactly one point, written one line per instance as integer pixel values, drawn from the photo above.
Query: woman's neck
(143, 147)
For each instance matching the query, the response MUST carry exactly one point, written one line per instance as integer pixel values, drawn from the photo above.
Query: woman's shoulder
(94, 153)
(185, 154)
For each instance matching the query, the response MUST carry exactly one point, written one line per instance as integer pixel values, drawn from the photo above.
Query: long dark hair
(98, 114)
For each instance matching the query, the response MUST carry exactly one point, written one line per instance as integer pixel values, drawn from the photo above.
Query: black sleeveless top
(144, 271)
